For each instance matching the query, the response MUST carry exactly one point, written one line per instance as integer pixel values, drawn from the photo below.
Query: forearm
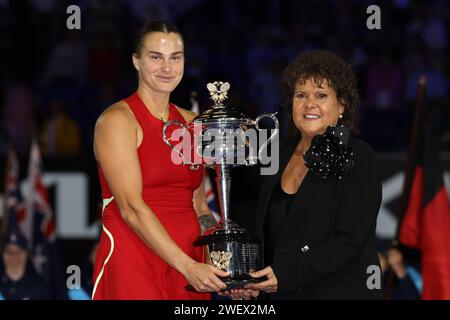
(147, 226)
(205, 216)
(207, 222)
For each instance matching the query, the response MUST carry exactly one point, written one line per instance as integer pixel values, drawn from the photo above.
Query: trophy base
(236, 282)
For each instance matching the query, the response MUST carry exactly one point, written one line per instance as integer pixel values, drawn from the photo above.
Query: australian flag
(40, 225)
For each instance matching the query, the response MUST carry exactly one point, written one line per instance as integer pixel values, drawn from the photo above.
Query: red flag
(425, 207)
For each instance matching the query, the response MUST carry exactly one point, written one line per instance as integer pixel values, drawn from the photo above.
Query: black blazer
(328, 238)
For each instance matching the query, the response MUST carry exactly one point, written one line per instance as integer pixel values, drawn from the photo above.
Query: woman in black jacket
(318, 214)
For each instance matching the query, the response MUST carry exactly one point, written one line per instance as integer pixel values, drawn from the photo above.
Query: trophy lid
(221, 113)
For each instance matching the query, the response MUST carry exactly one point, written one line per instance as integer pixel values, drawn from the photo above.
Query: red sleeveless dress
(125, 267)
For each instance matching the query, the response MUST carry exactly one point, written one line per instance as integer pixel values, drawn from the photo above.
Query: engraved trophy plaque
(221, 141)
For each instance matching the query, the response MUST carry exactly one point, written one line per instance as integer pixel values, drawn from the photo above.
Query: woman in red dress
(150, 204)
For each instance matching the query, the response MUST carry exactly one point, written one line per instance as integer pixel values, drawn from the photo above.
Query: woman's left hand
(270, 285)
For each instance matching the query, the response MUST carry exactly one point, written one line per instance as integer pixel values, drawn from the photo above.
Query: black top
(275, 217)
(327, 240)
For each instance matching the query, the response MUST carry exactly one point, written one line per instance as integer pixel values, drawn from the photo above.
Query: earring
(339, 123)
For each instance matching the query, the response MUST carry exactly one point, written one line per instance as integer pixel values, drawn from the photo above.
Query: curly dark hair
(321, 66)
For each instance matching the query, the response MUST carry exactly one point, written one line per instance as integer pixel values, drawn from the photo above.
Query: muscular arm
(115, 146)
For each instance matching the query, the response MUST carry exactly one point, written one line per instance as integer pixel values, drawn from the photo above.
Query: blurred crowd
(55, 81)
(21, 279)
(401, 271)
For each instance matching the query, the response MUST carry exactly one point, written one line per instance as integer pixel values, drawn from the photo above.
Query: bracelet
(190, 265)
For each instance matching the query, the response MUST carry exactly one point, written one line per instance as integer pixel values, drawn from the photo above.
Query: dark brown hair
(324, 66)
(153, 26)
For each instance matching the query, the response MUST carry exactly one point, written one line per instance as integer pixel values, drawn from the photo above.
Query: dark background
(48, 71)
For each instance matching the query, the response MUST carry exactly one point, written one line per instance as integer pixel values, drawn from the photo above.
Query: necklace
(161, 116)
(164, 113)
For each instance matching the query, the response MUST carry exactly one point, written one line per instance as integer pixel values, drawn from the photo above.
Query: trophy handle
(277, 126)
(167, 140)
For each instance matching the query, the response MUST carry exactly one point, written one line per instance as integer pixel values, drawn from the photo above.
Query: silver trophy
(224, 138)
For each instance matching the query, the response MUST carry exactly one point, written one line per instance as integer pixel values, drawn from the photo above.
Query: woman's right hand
(205, 277)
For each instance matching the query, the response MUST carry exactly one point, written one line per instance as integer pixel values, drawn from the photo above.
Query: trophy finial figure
(218, 91)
